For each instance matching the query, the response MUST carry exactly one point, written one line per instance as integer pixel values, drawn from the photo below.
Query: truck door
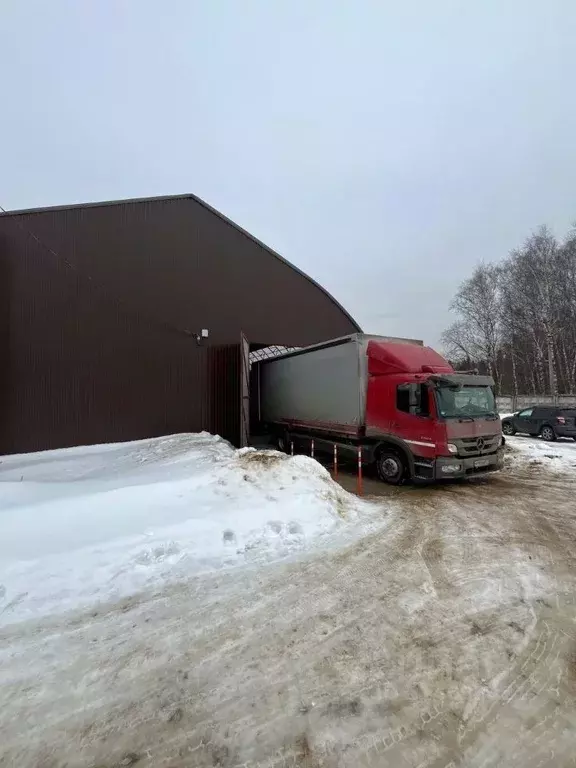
(412, 420)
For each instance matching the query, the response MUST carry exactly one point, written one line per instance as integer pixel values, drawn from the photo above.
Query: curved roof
(106, 302)
(204, 204)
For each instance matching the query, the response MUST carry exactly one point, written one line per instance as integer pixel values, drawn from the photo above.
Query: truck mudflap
(448, 466)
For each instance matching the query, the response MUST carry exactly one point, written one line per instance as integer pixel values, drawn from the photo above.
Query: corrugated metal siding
(224, 372)
(96, 337)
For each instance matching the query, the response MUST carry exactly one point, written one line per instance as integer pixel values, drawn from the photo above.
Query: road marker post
(359, 486)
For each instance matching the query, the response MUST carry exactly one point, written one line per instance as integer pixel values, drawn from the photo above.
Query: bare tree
(518, 319)
(478, 332)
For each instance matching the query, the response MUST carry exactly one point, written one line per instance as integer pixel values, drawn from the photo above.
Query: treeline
(517, 319)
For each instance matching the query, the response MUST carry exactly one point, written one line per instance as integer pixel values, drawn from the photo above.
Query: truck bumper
(448, 466)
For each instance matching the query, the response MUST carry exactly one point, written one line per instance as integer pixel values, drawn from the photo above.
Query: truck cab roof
(397, 357)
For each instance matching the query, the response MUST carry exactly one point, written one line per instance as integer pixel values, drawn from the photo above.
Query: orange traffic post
(359, 484)
(335, 460)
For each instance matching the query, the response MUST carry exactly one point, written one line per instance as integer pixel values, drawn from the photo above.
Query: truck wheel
(391, 467)
(283, 444)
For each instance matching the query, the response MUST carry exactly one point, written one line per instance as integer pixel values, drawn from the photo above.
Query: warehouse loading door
(229, 391)
(244, 390)
(224, 388)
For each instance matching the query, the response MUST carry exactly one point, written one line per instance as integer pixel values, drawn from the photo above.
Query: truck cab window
(413, 398)
(424, 405)
(403, 398)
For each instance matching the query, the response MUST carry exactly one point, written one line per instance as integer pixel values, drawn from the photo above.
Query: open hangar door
(234, 389)
(244, 391)
(258, 437)
(226, 370)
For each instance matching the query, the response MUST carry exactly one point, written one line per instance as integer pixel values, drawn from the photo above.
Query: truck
(414, 417)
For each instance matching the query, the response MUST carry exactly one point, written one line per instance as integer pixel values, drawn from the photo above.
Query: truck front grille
(477, 446)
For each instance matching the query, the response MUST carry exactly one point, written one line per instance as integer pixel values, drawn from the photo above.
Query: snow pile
(83, 525)
(559, 456)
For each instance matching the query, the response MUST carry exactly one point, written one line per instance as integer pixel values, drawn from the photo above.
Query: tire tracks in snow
(446, 637)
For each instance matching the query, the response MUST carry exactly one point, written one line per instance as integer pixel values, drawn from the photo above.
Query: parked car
(547, 421)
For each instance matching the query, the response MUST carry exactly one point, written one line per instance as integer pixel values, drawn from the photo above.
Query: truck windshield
(465, 402)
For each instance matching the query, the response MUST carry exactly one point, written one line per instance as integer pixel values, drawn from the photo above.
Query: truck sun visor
(457, 380)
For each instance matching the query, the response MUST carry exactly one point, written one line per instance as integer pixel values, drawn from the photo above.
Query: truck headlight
(450, 468)
(452, 448)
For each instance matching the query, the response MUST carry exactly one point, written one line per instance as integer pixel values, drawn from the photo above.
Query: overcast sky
(383, 147)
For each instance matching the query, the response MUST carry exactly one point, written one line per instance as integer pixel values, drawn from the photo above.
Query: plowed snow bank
(88, 524)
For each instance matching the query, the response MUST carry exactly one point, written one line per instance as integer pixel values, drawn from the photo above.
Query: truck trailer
(414, 417)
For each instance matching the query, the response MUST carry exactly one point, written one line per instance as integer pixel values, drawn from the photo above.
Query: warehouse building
(131, 319)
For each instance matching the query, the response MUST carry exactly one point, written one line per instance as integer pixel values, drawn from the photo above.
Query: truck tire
(391, 466)
(283, 443)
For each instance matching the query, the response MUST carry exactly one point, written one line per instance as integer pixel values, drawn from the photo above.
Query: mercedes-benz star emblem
(480, 443)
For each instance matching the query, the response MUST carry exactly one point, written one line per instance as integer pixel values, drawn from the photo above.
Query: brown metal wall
(224, 391)
(95, 320)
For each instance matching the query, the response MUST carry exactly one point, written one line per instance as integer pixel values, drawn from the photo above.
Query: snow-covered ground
(93, 524)
(557, 456)
(177, 603)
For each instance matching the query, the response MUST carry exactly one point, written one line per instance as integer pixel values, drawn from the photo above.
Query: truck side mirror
(419, 403)
(415, 399)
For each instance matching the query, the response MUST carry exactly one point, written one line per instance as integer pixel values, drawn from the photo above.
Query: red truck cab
(422, 413)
